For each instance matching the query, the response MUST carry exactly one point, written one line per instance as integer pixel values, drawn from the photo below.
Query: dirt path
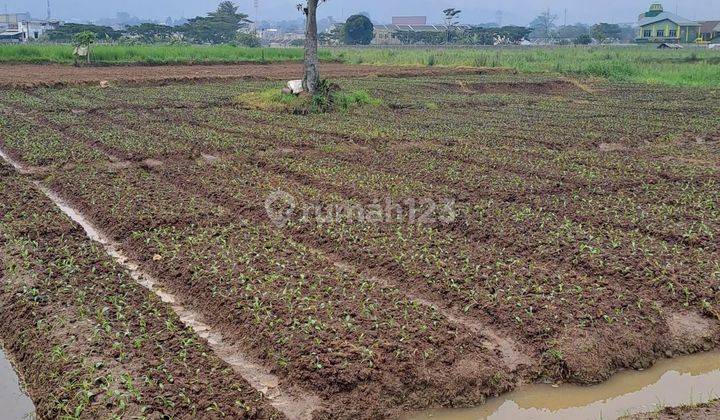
(28, 76)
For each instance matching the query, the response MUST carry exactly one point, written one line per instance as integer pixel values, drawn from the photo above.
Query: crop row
(88, 340)
(329, 328)
(675, 211)
(534, 299)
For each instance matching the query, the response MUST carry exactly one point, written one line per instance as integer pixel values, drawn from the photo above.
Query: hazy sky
(474, 11)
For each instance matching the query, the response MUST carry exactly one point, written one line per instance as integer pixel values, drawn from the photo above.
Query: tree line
(359, 30)
(462, 36)
(224, 25)
(218, 27)
(545, 28)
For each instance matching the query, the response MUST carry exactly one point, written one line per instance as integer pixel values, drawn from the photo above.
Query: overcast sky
(474, 11)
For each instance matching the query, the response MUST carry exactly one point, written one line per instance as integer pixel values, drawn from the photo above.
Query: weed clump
(328, 98)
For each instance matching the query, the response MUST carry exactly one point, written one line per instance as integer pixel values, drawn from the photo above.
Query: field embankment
(690, 67)
(53, 75)
(118, 55)
(641, 64)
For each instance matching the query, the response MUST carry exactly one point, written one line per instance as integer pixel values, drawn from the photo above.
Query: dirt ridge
(30, 76)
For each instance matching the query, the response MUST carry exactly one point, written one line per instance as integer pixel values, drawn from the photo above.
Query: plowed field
(571, 231)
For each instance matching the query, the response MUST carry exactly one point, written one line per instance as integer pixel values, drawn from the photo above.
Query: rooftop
(648, 20)
(409, 20)
(710, 26)
(420, 28)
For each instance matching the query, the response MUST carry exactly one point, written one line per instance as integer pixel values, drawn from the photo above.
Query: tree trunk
(311, 79)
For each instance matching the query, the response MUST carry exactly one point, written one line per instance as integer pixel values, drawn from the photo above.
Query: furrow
(294, 404)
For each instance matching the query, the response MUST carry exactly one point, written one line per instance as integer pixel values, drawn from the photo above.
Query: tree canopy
(67, 32)
(583, 39)
(150, 32)
(573, 31)
(84, 39)
(220, 26)
(334, 36)
(358, 30)
(605, 31)
(451, 15)
(543, 26)
(472, 36)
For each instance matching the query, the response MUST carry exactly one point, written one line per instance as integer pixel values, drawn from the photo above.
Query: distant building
(384, 34)
(659, 26)
(410, 20)
(36, 29)
(19, 27)
(11, 20)
(275, 37)
(710, 30)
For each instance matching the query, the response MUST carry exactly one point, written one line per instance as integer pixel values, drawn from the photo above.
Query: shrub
(347, 100)
(247, 40)
(328, 98)
(584, 39)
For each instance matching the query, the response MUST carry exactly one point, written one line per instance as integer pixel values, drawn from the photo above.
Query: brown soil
(549, 264)
(90, 341)
(552, 87)
(29, 76)
(612, 147)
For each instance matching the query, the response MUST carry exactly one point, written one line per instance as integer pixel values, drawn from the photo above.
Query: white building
(20, 28)
(36, 29)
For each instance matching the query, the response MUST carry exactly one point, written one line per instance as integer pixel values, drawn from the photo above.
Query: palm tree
(451, 18)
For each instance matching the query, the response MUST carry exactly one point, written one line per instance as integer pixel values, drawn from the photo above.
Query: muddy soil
(87, 340)
(573, 246)
(709, 411)
(28, 76)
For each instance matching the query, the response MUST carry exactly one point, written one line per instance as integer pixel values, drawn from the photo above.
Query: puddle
(15, 403)
(670, 383)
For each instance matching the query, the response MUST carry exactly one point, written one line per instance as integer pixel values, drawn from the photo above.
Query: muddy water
(15, 403)
(670, 383)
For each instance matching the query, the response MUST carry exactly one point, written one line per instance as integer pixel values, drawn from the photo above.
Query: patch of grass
(346, 100)
(638, 64)
(329, 99)
(272, 100)
(150, 54)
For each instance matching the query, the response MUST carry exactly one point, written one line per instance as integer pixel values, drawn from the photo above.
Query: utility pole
(547, 24)
(48, 10)
(256, 3)
(565, 20)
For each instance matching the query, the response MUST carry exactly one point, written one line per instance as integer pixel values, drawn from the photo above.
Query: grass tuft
(275, 100)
